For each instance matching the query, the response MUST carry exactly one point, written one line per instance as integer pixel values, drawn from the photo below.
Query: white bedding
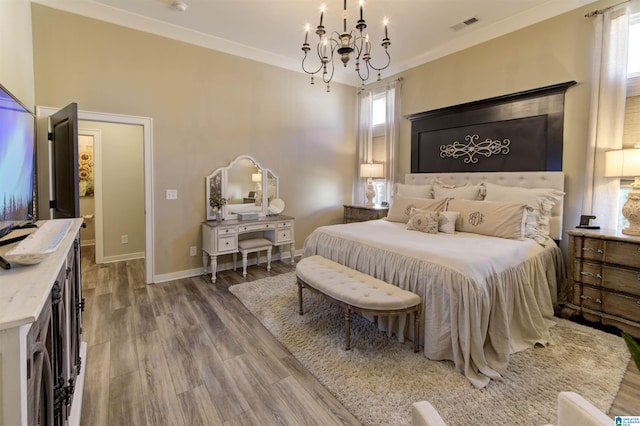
(484, 297)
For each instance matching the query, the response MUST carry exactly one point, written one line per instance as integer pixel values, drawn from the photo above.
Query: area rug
(379, 378)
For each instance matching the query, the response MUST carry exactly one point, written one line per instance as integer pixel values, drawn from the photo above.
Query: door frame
(96, 134)
(147, 126)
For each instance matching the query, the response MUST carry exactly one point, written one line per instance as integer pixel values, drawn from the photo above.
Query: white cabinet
(41, 348)
(221, 237)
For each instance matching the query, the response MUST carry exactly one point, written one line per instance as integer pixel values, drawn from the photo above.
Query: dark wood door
(64, 175)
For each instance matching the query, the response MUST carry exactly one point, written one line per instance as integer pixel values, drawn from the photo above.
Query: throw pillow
(417, 191)
(465, 192)
(447, 222)
(497, 219)
(400, 208)
(423, 221)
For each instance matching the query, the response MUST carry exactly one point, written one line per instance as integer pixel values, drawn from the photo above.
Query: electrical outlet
(124, 239)
(192, 251)
(172, 194)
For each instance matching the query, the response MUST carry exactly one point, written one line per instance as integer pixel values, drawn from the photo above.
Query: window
(378, 111)
(633, 61)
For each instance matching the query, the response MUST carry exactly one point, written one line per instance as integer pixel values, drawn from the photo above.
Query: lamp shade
(371, 170)
(622, 163)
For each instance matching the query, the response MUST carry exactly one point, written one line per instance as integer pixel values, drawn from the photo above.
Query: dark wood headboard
(517, 132)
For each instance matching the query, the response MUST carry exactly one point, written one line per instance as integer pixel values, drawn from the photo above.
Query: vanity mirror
(245, 185)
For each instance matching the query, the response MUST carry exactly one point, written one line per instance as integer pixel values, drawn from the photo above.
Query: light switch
(172, 194)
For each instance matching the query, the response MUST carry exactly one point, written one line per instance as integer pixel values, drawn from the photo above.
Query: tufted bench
(356, 292)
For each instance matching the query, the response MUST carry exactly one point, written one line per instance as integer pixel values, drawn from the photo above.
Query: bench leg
(347, 329)
(416, 331)
(300, 297)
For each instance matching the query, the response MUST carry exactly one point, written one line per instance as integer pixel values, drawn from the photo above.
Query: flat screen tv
(17, 163)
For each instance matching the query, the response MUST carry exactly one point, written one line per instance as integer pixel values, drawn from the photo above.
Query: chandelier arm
(310, 72)
(384, 67)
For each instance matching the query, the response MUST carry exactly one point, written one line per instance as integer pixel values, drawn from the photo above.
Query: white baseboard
(122, 257)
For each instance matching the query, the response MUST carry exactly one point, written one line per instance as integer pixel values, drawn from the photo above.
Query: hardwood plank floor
(187, 352)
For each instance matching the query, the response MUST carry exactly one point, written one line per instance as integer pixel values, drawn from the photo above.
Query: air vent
(464, 24)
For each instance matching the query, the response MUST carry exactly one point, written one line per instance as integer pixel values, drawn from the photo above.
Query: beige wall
(16, 51)
(553, 51)
(207, 108)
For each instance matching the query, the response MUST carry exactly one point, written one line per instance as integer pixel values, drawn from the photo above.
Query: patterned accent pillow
(423, 221)
(447, 222)
(400, 209)
(504, 220)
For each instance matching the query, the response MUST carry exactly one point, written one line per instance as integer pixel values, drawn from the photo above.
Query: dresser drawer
(621, 279)
(624, 254)
(589, 248)
(622, 306)
(587, 297)
(227, 243)
(587, 272)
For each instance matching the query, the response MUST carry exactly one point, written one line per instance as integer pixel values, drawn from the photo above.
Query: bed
(484, 296)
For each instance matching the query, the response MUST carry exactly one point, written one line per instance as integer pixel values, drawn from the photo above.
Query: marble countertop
(25, 289)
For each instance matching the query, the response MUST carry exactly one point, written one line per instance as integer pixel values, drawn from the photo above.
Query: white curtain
(391, 92)
(606, 120)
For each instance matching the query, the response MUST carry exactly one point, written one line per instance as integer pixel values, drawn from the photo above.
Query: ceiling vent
(464, 24)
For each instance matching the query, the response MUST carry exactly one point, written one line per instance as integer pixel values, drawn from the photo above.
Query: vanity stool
(253, 245)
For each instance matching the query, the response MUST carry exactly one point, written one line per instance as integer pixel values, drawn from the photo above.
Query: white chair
(573, 410)
(253, 245)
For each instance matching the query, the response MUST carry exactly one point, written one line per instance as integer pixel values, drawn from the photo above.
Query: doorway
(90, 122)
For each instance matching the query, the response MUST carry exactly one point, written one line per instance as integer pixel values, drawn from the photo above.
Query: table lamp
(625, 163)
(370, 171)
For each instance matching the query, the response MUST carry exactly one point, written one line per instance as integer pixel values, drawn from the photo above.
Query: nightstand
(604, 278)
(360, 212)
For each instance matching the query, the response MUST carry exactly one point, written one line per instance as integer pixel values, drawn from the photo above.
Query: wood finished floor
(187, 352)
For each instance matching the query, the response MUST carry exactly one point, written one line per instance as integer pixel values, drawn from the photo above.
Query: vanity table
(224, 228)
(221, 237)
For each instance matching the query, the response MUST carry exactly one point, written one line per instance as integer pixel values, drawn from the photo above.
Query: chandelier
(344, 45)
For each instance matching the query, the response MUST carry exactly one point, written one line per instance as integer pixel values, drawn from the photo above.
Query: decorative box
(247, 216)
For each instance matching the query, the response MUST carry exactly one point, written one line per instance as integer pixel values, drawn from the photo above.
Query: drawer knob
(591, 274)
(594, 250)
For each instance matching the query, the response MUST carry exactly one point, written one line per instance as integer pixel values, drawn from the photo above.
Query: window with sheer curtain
(614, 59)
(378, 133)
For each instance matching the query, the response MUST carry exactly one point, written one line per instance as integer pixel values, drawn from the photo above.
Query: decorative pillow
(418, 191)
(497, 219)
(400, 208)
(447, 222)
(539, 200)
(464, 192)
(423, 221)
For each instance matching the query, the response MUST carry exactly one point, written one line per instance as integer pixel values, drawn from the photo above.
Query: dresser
(220, 237)
(41, 348)
(361, 212)
(604, 278)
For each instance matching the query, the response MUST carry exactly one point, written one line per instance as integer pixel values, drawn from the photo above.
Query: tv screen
(17, 163)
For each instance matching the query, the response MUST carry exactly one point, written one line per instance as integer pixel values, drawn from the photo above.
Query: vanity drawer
(226, 231)
(255, 227)
(284, 224)
(227, 243)
(284, 235)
